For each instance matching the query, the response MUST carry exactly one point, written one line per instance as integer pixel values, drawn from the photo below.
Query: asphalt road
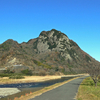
(65, 92)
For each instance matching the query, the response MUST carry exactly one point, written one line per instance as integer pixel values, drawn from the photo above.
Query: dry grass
(6, 80)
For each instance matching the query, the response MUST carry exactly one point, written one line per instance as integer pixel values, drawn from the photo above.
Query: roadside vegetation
(88, 90)
(94, 72)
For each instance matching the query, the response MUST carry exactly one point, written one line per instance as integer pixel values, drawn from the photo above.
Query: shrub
(8, 71)
(3, 75)
(87, 58)
(42, 73)
(51, 73)
(56, 69)
(72, 43)
(26, 72)
(41, 64)
(52, 45)
(16, 77)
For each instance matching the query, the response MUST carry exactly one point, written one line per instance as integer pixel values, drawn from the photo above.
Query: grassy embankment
(88, 91)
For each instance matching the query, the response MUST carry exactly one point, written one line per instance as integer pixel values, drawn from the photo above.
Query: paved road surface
(65, 92)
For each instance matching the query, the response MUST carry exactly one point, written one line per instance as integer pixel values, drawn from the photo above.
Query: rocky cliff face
(56, 41)
(51, 41)
(52, 52)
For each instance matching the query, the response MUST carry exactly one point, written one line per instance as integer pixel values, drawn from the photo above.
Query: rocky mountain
(51, 53)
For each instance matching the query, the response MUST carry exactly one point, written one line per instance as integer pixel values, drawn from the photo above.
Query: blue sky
(22, 20)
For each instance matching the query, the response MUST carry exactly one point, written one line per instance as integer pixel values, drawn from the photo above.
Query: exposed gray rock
(51, 34)
(42, 47)
(54, 40)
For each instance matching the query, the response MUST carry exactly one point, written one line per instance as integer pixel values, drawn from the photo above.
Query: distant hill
(51, 53)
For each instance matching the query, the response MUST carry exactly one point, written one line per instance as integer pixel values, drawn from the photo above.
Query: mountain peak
(11, 41)
(52, 40)
(52, 33)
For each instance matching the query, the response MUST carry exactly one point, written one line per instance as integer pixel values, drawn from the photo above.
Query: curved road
(65, 92)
